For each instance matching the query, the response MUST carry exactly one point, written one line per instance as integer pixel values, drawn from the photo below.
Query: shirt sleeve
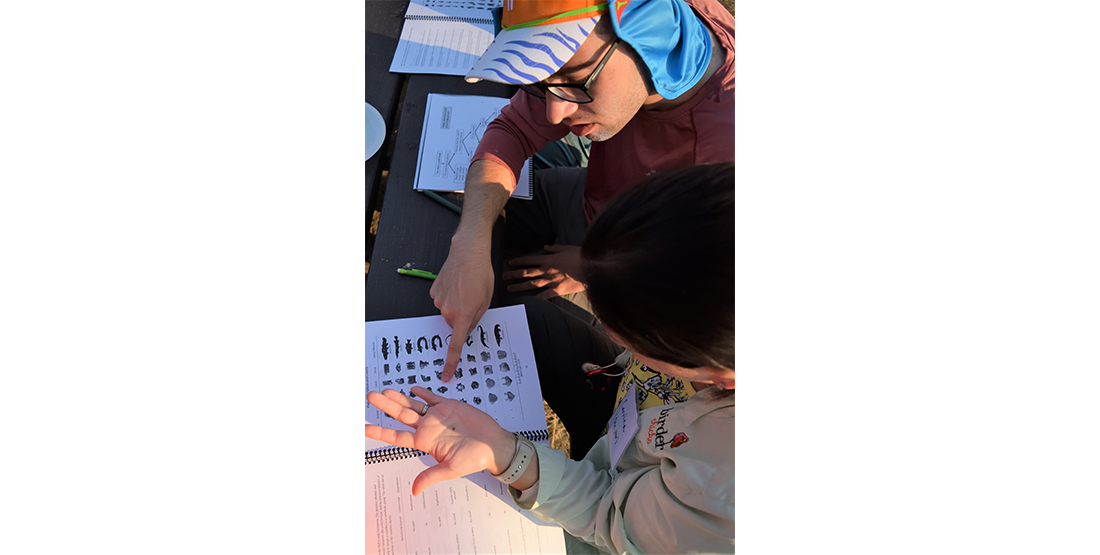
(525, 498)
(590, 502)
(585, 483)
(518, 132)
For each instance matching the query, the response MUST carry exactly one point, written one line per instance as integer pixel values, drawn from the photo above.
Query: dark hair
(658, 262)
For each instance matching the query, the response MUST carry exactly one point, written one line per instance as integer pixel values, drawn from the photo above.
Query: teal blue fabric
(671, 40)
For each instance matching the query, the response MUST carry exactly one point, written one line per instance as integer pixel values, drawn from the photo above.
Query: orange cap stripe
(527, 13)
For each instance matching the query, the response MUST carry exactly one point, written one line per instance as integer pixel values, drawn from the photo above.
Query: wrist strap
(525, 453)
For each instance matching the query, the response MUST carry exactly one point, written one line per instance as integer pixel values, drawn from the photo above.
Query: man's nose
(558, 109)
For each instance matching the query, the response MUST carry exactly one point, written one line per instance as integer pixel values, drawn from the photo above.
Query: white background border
(918, 302)
(182, 221)
(181, 224)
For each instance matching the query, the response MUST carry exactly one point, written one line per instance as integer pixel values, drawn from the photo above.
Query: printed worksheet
(497, 373)
(453, 127)
(476, 10)
(475, 514)
(443, 37)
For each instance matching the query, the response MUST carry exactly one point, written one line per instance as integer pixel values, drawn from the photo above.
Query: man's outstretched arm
(464, 286)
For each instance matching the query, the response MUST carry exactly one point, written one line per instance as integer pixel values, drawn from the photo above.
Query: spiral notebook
(444, 37)
(453, 127)
(497, 374)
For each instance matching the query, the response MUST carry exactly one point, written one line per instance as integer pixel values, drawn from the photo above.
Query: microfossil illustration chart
(412, 352)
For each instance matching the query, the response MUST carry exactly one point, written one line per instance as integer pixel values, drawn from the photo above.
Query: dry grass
(559, 437)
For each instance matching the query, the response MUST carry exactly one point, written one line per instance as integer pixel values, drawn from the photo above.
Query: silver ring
(425, 411)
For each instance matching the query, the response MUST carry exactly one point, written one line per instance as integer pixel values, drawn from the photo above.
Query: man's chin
(593, 131)
(600, 135)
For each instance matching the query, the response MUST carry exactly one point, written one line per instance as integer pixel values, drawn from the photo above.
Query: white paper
(475, 514)
(450, 6)
(440, 47)
(623, 424)
(443, 38)
(453, 127)
(478, 10)
(497, 373)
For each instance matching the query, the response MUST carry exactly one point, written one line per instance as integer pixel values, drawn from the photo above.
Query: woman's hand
(461, 438)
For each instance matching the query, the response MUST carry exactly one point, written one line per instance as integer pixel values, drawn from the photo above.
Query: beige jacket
(671, 492)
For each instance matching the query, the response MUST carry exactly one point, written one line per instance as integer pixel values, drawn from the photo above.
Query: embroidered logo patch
(679, 439)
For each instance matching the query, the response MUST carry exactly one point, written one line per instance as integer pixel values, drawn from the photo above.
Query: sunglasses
(570, 92)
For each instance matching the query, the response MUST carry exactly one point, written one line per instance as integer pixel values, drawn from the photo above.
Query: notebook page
(458, 9)
(453, 127)
(442, 38)
(474, 514)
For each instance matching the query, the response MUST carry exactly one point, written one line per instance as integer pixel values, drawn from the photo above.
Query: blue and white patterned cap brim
(531, 54)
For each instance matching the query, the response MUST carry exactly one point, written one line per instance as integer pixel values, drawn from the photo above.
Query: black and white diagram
(496, 372)
(453, 127)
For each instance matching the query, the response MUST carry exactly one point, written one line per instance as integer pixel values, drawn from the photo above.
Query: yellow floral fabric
(653, 388)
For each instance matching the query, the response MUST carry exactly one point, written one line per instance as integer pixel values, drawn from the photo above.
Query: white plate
(376, 130)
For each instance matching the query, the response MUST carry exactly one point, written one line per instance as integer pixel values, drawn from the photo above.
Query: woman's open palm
(461, 438)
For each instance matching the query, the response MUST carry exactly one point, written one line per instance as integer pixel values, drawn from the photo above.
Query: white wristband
(525, 453)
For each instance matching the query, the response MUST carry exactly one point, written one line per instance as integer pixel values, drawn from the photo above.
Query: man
(650, 82)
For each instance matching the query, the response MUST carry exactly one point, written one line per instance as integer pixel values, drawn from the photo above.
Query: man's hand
(461, 438)
(559, 271)
(462, 292)
(464, 286)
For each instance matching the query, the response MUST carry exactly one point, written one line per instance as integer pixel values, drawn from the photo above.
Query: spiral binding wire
(464, 4)
(450, 18)
(387, 454)
(536, 435)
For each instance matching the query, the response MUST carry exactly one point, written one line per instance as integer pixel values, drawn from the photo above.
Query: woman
(659, 265)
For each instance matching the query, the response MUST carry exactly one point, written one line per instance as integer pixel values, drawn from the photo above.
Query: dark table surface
(412, 228)
(384, 19)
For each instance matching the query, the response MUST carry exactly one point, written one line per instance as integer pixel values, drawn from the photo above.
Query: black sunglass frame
(539, 90)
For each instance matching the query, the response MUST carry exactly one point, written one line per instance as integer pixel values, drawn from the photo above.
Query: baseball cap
(538, 37)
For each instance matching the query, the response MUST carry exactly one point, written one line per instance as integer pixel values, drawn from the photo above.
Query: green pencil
(416, 273)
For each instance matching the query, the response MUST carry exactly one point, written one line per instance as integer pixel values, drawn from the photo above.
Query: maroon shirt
(700, 131)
